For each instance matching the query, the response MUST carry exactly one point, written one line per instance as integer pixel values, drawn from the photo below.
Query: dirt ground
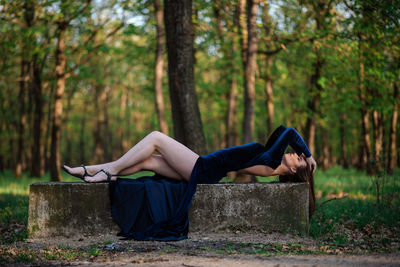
(214, 249)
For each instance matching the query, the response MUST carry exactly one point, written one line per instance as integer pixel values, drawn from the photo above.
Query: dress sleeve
(274, 136)
(288, 137)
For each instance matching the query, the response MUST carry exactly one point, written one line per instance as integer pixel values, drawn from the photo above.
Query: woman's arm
(289, 137)
(257, 170)
(274, 136)
(296, 143)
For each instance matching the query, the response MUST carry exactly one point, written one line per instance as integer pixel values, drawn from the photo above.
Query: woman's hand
(312, 163)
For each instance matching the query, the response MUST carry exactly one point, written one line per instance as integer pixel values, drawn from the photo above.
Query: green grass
(348, 210)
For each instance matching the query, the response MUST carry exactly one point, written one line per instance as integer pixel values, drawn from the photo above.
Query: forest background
(83, 81)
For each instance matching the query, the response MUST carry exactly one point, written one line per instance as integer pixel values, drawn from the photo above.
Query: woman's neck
(281, 170)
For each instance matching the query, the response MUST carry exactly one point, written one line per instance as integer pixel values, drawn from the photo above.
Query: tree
(320, 10)
(55, 165)
(158, 69)
(28, 12)
(188, 128)
(249, 71)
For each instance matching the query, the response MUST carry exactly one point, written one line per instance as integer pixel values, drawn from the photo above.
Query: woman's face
(293, 161)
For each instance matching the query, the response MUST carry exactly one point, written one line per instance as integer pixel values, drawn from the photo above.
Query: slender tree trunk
(392, 155)
(46, 153)
(29, 15)
(229, 50)
(107, 141)
(188, 128)
(249, 43)
(231, 121)
(398, 150)
(98, 131)
(249, 72)
(82, 143)
(22, 118)
(159, 65)
(231, 118)
(269, 93)
(343, 141)
(68, 142)
(366, 140)
(313, 103)
(325, 150)
(37, 167)
(30, 120)
(55, 165)
(242, 28)
(121, 124)
(378, 136)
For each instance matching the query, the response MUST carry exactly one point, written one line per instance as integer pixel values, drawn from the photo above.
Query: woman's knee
(157, 138)
(155, 135)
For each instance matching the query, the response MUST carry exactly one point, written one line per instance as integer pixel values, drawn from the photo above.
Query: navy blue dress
(156, 208)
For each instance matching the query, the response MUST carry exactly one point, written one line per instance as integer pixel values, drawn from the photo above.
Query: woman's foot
(104, 175)
(79, 172)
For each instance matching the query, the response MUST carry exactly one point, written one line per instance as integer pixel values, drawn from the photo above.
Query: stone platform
(69, 209)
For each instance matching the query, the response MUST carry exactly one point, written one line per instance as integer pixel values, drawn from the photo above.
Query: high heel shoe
(82, 177)
(109, 176)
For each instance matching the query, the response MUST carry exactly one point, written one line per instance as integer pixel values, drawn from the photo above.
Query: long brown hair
(303, 174)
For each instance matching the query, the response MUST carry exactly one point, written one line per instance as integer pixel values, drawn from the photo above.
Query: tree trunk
(121, 123)
(313, 103)
(393, 127)
(107, 135)
(188, 128)
(22, 118)
(82, 146)
(325, 150)
(229, 50)
(231, 120)
(98, 131)
(378, 136)
(269, 95)
(29, 15)
(242, 29)
(158, 71)
(68, 142)
(366, 140)
(37, 167)
(249, 72)
(55, 163)
(343, 141)
(46, 153)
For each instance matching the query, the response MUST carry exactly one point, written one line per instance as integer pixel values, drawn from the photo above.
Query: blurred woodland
(83, 81)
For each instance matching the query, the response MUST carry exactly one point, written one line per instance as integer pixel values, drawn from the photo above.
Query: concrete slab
(260, 206)
(70, 209)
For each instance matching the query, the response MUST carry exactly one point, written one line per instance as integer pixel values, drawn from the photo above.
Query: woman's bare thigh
(178, 156)
(158, 164)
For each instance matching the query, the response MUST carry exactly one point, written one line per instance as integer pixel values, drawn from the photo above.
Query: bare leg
(176, 155)
(155, 163)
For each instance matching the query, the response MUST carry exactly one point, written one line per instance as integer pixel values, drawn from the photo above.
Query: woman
(180, 163)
